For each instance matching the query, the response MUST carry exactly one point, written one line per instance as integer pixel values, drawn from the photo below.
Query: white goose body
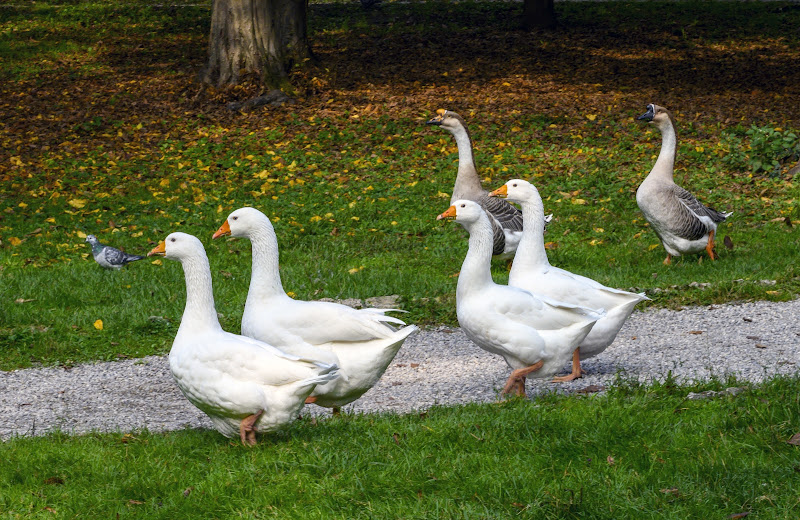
(523, 328)
(506, 220)
(532, 271)
(235, 380)
(359, 341)
(682, 223)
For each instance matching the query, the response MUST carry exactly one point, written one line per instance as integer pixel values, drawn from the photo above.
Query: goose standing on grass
(506, 220)
(683, 224)
(535, 335)
(360, 342)
(532, 271)
(243, 385)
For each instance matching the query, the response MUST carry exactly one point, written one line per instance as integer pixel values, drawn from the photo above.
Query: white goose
(532, 271)
(682, 223)
(506, 220)
(359, 341)
(244, 386)
(535, 335)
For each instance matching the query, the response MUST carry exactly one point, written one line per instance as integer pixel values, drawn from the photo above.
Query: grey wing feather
(690, 226)
(116, 257)
(503, 216)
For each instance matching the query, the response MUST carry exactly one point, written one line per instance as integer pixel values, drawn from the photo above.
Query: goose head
(657, 115)
(242, 223)
(178, 246)
(447, 119)
(517, 190)
(465, 212)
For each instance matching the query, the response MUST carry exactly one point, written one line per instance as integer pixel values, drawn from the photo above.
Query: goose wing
(694, 219)
(504, 217)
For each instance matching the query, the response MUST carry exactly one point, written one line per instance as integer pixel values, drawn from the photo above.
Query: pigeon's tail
(133, 258)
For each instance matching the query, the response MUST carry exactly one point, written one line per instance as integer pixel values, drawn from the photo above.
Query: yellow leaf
(599, 230)
(164, 183)
(578, 201)
(157, 261)
(50, 220)
(443, 195)
(652, 246)
(699, 148)
(291, 294)
(355, 270)
(591, 117)
(98, 324)
(219, 208)
(77, 203)
(14, 241)
(22, 205)
(80, 234)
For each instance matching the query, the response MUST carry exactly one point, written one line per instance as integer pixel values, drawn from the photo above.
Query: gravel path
(435, 366)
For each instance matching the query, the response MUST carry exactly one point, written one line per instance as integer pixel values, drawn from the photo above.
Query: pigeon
(110, 257)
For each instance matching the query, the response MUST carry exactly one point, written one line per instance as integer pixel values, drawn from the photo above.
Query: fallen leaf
(14, 241)
(795, 440)
(77, 203)
(80, 234)
(760, 345)
(739, 515)
(550, 245)
(23, 300)
(54, 481)
(695, 332)
(610, 460)
(188, 491)
(591, 389)
(669, 491)
(98, 324)
(728, 242)
(157, 261)
(135, 502)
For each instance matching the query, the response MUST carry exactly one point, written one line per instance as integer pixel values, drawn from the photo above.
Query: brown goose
(683, 224)
(506, 219)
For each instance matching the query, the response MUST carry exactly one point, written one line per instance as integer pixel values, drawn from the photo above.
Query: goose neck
(467, 179)
(199, 312)
(476, 271)
(265, 280)
(665, 163)
(530, 250)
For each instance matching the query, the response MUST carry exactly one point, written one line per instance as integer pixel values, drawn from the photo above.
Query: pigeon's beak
(224, 230)
(450, 213)
(501, 192)
(160, 249)
(437, 120)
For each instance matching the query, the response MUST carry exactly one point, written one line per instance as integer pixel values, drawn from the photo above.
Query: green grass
(634, 452)
(106, 135)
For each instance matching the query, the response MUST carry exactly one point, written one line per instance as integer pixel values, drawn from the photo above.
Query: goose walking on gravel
(361, 342)
(535, 335)
(682, 223)
(243, 385)
(506, 220)
(532, 271)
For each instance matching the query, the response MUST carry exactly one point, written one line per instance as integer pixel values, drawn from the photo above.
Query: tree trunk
(538, 14)
(261, 38)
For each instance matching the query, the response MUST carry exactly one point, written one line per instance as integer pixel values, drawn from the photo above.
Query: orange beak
(450, 213)
(502, 191)
(223, 230)
(160, 249)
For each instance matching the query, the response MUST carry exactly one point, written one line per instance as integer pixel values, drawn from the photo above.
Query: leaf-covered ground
(104, 130)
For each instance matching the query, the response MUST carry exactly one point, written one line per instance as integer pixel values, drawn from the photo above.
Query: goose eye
(514, 185)
(463, 205)
(172, 240)
(235, 218)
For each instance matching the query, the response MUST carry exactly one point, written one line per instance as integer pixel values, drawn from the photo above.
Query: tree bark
(261, 38)
(538, 14)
